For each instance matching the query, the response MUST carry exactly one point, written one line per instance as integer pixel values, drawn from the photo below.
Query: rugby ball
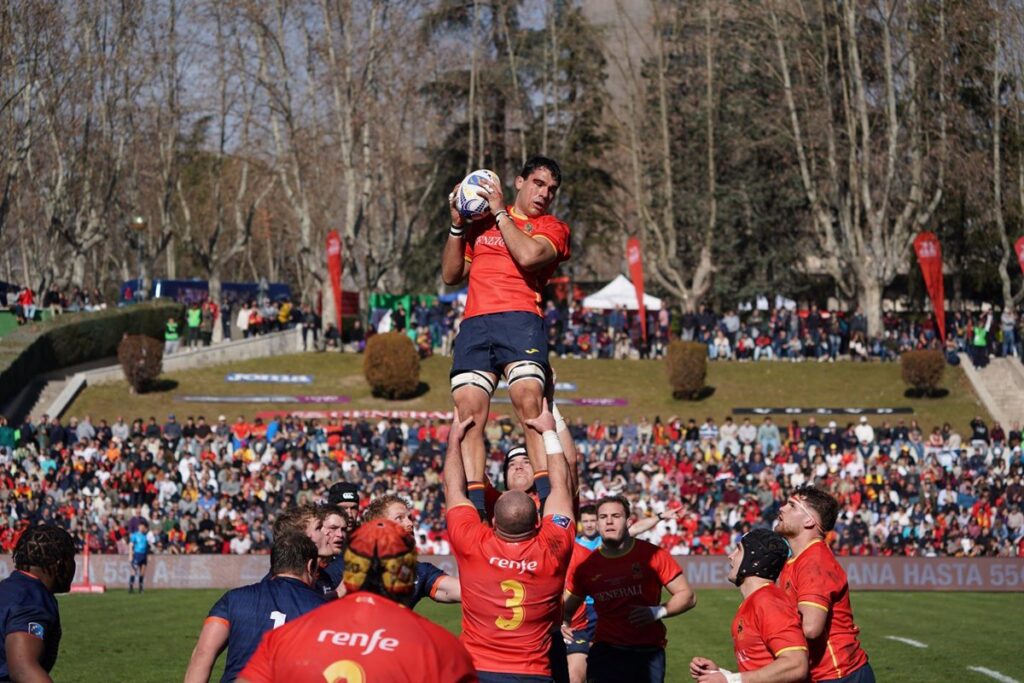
(470, 203)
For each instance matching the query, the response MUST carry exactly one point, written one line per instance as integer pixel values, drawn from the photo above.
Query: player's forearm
(528, 252)
(790, 667)
(448, 590)
(682, 601)
(454, 473)
(644, 525)
(570, 605)
(453, 261)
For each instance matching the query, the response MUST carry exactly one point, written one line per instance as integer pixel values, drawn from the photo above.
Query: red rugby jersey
(766, 625)
(815, 578)
(618, 584)
(496, 283)
(510, 591)
(360, 637)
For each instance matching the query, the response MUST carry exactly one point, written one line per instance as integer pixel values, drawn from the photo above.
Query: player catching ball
(508, 255)
(766, 634)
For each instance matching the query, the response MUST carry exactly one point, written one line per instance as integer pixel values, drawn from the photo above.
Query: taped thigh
(473, 378)
(526, 369)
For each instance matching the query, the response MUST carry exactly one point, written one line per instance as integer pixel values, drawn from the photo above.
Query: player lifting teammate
(816, 583)
(513, 573)
(766, 634)
(509, 257)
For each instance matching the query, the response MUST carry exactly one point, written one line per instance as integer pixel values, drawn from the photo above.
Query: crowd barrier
(993, 574)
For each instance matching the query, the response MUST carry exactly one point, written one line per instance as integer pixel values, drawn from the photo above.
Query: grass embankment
(641, 383)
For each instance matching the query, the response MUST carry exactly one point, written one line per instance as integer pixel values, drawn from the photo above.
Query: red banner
(1019, 248)
(929, 256)
(636, 273)
(334, 270)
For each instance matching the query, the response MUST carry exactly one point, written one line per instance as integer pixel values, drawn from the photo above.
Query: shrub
(391, 365)
(687, 365)
(75, 338)
(922, 370)
(141, 358)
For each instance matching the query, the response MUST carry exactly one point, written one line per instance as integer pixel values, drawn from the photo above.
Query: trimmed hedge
(75, 338)
(391, 365)
(687, 365)
(142, 360)
(922, 370)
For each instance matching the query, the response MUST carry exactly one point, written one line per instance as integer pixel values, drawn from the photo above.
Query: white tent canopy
(620, 292)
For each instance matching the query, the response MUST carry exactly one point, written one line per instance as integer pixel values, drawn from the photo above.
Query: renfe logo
(368, 642)
(522, 565)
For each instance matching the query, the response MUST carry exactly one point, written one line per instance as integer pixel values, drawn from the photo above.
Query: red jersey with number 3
(360, 638)
(618, 584)
(766, 625)
(510, 590)
(814, 578)
(496, 282)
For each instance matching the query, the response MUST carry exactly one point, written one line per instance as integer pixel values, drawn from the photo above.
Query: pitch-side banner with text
(865, 573)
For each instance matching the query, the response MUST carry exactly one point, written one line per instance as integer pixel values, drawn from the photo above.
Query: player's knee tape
(473, 378)
(526, 369)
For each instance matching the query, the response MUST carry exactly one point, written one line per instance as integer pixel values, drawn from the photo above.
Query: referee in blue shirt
(44, 562)
(240, 618)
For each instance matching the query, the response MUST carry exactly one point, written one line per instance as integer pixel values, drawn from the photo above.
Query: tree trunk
(869, 297)
(214, 283)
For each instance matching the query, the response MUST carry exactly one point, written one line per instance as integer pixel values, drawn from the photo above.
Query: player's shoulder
(772, 598)
(20, 589)
(549, 221)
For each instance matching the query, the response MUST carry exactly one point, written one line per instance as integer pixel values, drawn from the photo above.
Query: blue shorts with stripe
(491, 342)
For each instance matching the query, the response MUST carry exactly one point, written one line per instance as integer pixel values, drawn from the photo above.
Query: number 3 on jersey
(345, 671)
(515, 603)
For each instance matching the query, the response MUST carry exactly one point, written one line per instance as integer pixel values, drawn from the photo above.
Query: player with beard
(44, 563)
(767, 637)
(815, 582)
(512, 573)
(327, 527)
(625, 577)
(368, 635)
(431, 582)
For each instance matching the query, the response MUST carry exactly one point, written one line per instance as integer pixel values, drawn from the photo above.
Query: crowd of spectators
(762, 333)
(216, 487)
(26, 304)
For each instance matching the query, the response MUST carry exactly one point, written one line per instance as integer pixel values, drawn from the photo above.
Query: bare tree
(871, 149)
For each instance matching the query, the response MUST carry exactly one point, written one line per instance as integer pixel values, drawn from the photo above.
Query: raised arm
(454, 472)
(454, 267)
(559, 501)
(527, 251)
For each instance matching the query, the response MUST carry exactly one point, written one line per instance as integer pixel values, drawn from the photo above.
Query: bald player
(513, 573)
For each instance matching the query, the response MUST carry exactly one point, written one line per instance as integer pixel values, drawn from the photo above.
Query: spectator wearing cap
(171, 432)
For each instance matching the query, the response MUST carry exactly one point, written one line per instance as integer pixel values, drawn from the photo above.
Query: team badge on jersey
(637, 571)
(529, 228)
(36, 629)
(561, 520)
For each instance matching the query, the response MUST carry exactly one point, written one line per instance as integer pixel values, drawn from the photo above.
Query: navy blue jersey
(27, 606)
(427, 576)
(330, 575)
(251, 611)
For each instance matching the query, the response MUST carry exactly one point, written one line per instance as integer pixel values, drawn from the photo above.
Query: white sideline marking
(908, 641)
(1002, 678)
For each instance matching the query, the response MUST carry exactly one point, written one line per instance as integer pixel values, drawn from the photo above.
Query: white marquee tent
(620, 292)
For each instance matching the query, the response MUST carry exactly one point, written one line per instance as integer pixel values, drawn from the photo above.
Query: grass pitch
(642, 383)
(149, 637)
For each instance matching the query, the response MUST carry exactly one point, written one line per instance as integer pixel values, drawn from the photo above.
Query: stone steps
(1000, 385)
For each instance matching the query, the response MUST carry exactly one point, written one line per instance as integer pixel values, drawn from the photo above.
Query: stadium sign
(204, 398)
(902, 410)
(268, 377)
(991, 574)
